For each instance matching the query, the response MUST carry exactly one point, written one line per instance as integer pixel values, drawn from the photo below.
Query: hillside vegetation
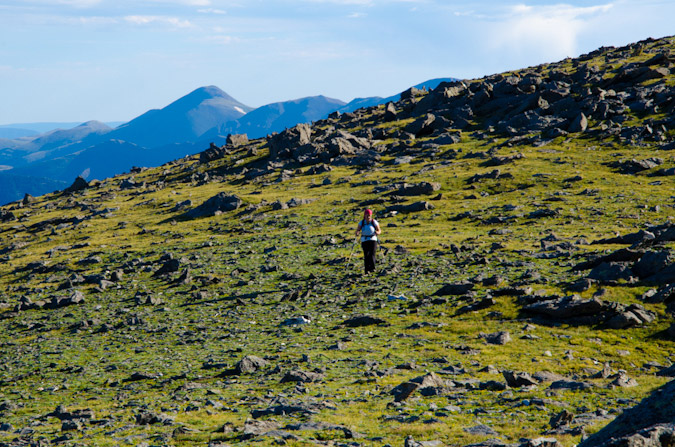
(522, 295)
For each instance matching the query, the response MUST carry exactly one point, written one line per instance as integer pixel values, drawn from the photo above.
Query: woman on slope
(369, 229)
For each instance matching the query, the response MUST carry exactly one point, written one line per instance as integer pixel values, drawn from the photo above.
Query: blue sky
(111, 60)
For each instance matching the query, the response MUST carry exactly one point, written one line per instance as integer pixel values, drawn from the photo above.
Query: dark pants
(369, 249)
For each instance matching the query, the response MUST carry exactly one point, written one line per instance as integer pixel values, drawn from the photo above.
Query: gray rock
(447, 139)
(498, 338)
(634, 166)
(6, 216)
(428, 385)
(169, 266)
(253, 428)
(622, 381)
(249, 364)
(219, 203)
(663, 295)
(567, 307)
(455, 289)
(631, 316)
(390, 112)
(649, 424)
(611, 271)
(518, 379)
(295, 321)
(294, 202)
(481, 430)
(412, 208)
(541, 442)
(283, 144)
(297, 375)
(236, 140)
(652, 262)
(570, 385)
(362, 320)
(423, 188)
(80, 184)
(579, 124)
(561, 419)
(422, 126)
(63, 414)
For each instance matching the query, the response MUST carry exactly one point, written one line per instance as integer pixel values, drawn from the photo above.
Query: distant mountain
(13, 133)
(13, 187)
(83, 134)
(21, 152)
(278, 116)
(183, 120)
(104, 159)
(360, 103)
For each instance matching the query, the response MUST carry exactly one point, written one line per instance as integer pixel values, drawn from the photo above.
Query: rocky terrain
(523, 297)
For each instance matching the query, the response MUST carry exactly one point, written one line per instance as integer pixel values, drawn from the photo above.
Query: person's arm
(358, 228)
(377, 228)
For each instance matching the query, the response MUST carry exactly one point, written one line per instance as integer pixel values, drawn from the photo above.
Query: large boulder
(344, 143)
(651, 263)
(220, 203)
(455, 289)
(567, 307)
(214, 152)
(417, 189)
(283, 144)
(611, 271)
(634, 166)
(6, 216)
(412, 208)
(80, 184)
(516, 379)
(237, 140)
(649, 424)
(422, 126)
(428, 385)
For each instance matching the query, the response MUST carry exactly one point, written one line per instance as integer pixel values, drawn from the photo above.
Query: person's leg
(364, 246)
(374, 255)
(369, 256)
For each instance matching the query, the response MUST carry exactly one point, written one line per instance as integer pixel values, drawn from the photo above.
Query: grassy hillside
(142, 357)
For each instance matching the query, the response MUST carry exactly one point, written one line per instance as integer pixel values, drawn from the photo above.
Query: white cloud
(185, 2)
(212, 11)
(147, 20)
(552, 30)
(344, 2)
(80, 3)
(357, 15)
(222, 40)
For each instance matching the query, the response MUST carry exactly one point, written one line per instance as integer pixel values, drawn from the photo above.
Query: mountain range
(36, 161)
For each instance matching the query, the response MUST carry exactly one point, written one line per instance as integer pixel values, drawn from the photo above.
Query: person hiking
(369, 229)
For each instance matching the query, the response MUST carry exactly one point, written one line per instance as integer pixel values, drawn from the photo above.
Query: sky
(112, 60)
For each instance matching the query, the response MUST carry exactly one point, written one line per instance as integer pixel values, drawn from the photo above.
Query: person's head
(367, 214)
